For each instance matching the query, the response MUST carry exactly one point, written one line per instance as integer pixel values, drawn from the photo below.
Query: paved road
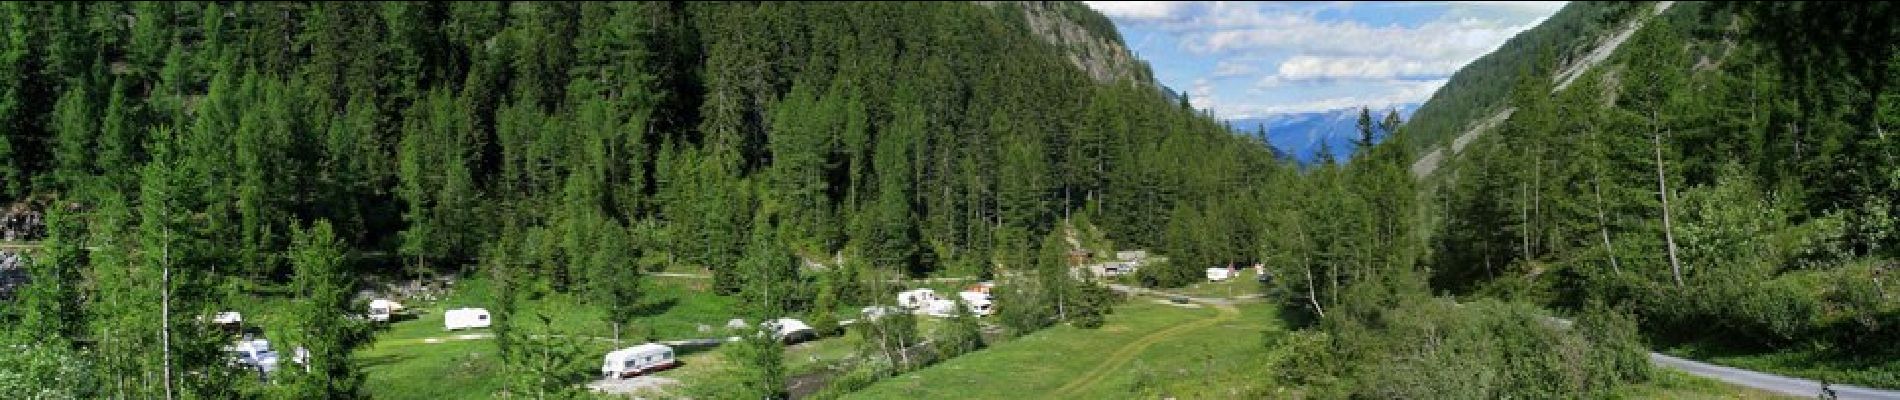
(1766, 381)
(1215, 301)
(1735, 376)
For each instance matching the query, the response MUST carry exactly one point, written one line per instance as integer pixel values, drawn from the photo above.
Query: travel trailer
(980, 303)
(254, 354)
(637, 360)
(227, 318)
(917, 298)
(380, 310)
(465, 318)
(790, 330)
(1218, 274)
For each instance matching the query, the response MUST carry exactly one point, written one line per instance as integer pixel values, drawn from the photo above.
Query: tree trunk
(1603, 225)
(1311, 295)
(1524, 224)
(1662, 188)
(1537, 197)
(165, 308)
(1333, 268)
(616, 334)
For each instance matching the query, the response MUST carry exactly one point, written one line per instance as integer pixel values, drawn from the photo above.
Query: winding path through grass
(1129, 351)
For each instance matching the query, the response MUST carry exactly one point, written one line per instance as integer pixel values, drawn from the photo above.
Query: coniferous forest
(193, 155)
(1722, 184)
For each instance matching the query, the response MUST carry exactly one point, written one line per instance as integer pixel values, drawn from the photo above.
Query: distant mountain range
(1300, 135)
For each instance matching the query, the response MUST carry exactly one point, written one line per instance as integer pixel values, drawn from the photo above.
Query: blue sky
(1253, 59)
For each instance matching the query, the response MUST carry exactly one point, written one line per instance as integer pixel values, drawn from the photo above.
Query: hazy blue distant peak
(1299, 135)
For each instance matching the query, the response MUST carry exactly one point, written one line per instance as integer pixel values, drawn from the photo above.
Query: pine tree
(892, 240)
(322, 326)
(1365, 140)
(616, 276)
(14, 78)
(437, 183)
(1389, 125)
(74, 134)
(51, 304)
(963, 333)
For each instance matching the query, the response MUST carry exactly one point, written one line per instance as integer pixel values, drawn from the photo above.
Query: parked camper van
(1218, 274)
(227, 318)
(917, 298)
(790, 330)
(980, 303)
(464, 318)
(637, 360)
(254, 354)
(380, 310)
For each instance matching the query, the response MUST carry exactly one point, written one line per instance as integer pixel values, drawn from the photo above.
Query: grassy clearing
(1035, 366)
(1241, 284)
(460, 369)
(416, 359)
(1222, 360)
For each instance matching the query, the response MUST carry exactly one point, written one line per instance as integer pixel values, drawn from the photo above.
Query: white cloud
(1258, 58)
(1229, 69)
(1394, 93)
(1454, 40)
(1201, 95)
(1545, 7)
(1138, 10)
(1305, 67)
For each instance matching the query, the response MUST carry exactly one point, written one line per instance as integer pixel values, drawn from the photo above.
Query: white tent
(464, 318)
(227, 318)
(636, 360)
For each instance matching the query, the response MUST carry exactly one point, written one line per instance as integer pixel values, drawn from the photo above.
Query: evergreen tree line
(203, 153)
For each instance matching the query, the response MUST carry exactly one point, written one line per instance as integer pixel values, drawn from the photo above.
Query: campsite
(981, 199)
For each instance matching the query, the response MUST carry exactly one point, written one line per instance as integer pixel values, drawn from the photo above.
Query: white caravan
(790, 330)
(380, 310)
(637, 360)
(1218, 274)
(254, 354)
(946, 308)
(464, 318)
(917, 298)
(980, 303)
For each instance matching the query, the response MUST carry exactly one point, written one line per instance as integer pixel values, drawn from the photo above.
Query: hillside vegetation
(1484, 86)
(209, 155)
(1727, 175)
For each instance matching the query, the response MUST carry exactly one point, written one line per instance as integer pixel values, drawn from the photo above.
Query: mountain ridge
(1299, 136)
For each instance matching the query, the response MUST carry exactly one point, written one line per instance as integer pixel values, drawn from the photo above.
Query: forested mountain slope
(1725, 174)
(1483, 87)
(1089, 38)
(210, 152)
(1592, 53)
